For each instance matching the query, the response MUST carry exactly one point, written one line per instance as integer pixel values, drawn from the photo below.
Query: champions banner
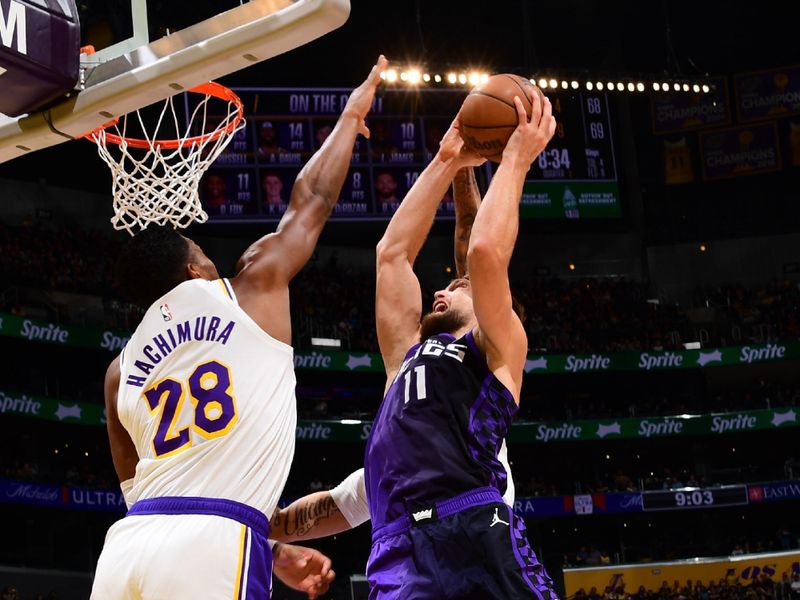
(679, 111)
(734, 569)
(748, 150)
(42, 331)
(768, 94)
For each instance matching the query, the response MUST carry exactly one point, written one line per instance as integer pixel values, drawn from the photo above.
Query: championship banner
(733, 569)
(43, 331)
(749, 150)
(679, 111)
(767, 94)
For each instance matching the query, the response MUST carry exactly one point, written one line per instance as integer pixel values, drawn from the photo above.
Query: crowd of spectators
(764, 587)
(580, 315)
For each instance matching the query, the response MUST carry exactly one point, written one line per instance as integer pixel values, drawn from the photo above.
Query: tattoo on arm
(467, 197)
(301, 519)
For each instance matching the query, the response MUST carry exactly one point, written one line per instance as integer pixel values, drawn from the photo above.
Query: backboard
(136, 72)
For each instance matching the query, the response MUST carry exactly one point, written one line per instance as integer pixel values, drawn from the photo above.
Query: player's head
(268, 136)
(156, 260)
(385, 185)
(273, 186)
(322, 132)
(215, 189)
(452, 309)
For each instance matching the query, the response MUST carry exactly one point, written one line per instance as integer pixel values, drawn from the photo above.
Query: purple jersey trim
(445, 508)
(176, 505)
(514, 541)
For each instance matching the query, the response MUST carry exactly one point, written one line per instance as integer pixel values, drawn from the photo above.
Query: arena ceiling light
(470, 77)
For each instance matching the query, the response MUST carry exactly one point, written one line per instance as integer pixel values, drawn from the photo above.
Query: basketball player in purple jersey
(434, 484)
(201, 407)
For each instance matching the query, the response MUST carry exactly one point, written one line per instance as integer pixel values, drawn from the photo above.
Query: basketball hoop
(157, 181)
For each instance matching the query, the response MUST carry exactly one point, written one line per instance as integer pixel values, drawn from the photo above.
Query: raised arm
(500, 333)
(398, 301)
(276, 258)
(467, 199)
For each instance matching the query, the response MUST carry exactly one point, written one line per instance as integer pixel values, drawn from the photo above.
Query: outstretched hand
(531, 135)
(303, 569)
(452, 146)
(360, 100)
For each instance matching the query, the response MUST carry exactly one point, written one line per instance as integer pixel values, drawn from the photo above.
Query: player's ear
(193, 271)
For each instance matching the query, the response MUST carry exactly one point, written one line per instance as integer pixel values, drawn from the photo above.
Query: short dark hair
(151, 263)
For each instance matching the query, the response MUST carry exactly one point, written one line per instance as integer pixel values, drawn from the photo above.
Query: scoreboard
(575, 177)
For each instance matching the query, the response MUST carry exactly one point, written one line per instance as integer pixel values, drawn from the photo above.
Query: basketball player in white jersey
(201, 407)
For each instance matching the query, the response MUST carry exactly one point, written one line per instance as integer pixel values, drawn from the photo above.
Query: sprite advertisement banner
(113, 341)
(347, 430)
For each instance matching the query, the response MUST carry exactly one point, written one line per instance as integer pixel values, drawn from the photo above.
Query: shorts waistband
(177, 505)
(440, 510)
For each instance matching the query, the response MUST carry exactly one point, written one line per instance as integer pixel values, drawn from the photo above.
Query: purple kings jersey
(438, 430)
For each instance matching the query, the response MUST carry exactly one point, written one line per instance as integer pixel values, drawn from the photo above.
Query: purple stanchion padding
(39, 53)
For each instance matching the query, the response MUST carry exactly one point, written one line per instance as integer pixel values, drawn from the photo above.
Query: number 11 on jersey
(419, 374)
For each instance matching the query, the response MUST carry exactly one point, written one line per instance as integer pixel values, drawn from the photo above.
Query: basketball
(488, 115)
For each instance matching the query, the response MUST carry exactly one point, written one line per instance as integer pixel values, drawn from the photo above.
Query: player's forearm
(497, 222)
(467, 199)
(313, 516)
(411, 223)
(323, 175)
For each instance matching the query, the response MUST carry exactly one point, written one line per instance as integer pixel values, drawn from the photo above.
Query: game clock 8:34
(695, 498)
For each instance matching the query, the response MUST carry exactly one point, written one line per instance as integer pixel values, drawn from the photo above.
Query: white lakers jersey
(207, 397)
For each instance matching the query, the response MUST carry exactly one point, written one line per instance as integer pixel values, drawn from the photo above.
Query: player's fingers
(522, 115)
(537, 103)
(547, 112)
(329, 577)
(551, 129)
(380, 66)
(363, 130)
(326, 566)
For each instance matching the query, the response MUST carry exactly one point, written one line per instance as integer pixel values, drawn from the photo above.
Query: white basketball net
(160, 184)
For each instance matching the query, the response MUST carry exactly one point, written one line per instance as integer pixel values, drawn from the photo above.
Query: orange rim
(209, 89)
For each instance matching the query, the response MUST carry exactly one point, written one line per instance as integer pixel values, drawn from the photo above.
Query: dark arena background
(655, 453)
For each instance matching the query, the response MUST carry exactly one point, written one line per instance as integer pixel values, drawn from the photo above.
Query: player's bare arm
(467, 199)
(123, 451)
(398, 302)
(500, 333)
(267, 266)
(310, 517)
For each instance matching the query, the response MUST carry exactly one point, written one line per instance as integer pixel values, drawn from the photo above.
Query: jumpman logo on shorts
(496, 520)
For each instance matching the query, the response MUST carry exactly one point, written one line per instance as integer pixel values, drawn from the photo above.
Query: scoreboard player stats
(574, 178)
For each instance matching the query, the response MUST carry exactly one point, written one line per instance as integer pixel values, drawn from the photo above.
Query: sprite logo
(596, 362)
(769, 352)
(660, 361)
(661, 427)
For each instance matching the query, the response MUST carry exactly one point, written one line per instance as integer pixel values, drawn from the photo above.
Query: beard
(448, 321)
